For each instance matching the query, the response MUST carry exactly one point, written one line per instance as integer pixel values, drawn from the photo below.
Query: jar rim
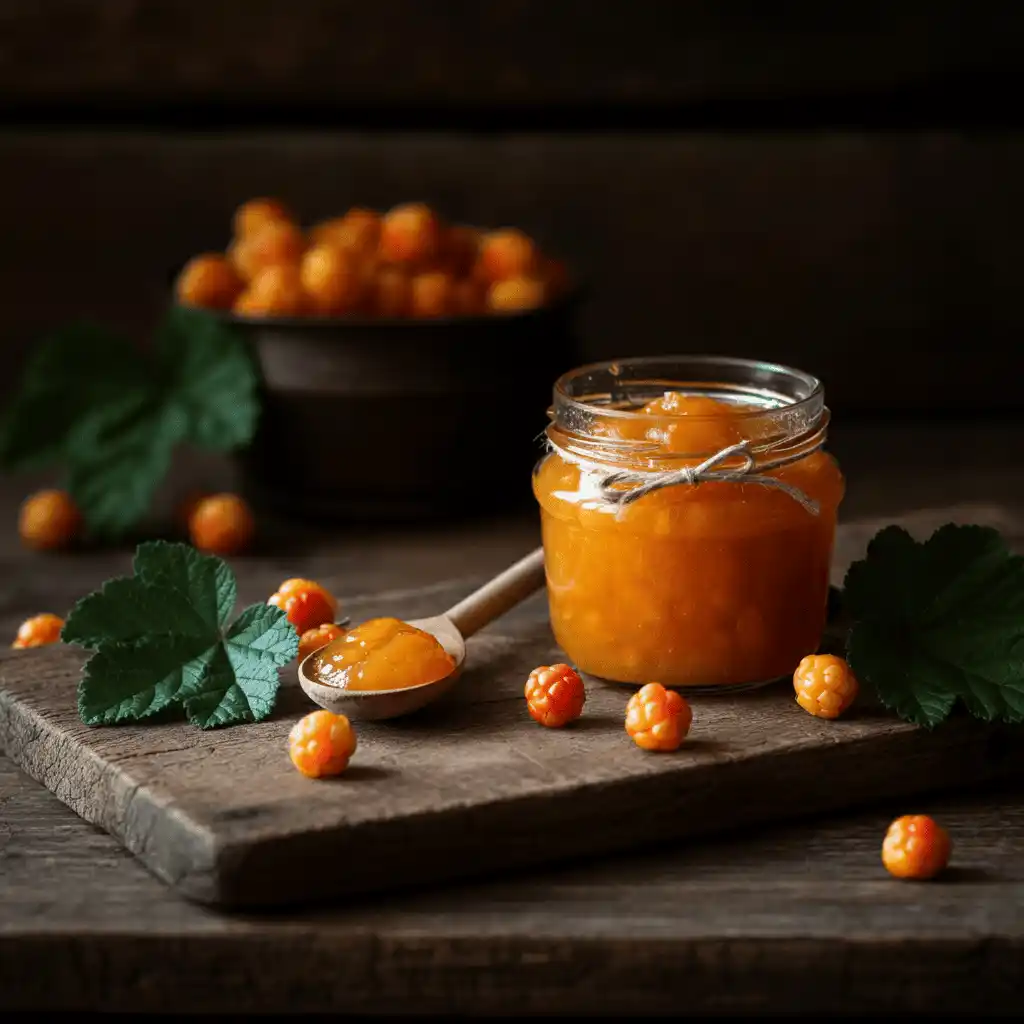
(755, 369)
(778, 408)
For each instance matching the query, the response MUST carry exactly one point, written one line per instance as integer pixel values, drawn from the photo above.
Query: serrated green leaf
(211, 376)
(160, 639)
(205, 582)
(128, 610)
(939, 622)
(123, 682)
(243, 681)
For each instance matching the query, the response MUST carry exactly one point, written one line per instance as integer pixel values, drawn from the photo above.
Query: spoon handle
(499, 595)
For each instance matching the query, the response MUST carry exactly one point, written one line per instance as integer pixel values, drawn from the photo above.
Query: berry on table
(658, 719)
(221, 524)
(39, 630)
(321, 744)
(825, 685)
(306, 603)
(555, 695)
(915, 846)
(319, 636)
(49, 520)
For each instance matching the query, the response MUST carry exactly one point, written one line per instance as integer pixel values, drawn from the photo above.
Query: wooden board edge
(109, 799)
(537, 829)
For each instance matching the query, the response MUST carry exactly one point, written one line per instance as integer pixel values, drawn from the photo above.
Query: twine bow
(707, 471)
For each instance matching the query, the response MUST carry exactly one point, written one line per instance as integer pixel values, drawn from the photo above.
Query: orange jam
(715, 583)
(381, 654)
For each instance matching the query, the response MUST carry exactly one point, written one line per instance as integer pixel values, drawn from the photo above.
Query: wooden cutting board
(471, 785)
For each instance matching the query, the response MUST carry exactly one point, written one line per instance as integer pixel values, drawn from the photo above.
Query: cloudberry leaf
(113, 416)
(211, 377)
(939, 622)
(162, 638)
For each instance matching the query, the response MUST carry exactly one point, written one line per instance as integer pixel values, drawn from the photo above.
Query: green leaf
(122, 682)
(242, 683)
(72, 374)
(939, 622)
(118, 461)
(161, 639)
(130, 611)
(113, 416)
(211, 376)
(204, 581)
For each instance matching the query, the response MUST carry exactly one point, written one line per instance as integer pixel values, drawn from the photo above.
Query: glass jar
(688, 513)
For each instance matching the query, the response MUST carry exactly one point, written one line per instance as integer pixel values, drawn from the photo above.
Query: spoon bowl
(451, 630)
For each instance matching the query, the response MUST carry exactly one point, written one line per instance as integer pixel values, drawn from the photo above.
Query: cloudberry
(39, 630)
(507, 253)
(257, 213)
(221, 524)
(915, 846)
(409, 233)
(555, 695)
(306, 603)
(49, 520)
(516, 294)
(317, 637)
(209, 280)
(825, 686)
(658, 719)
(321, 744)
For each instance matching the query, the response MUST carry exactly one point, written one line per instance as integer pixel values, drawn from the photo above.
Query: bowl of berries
(405, 362)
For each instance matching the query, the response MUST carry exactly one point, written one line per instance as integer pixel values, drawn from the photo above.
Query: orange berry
(516, 294)
(658, 719)
(915, 846)
(209, 281)
(825, 686)
(430, 294)
(358, 232)
(320, 636)
(39, 630)
(389, 293)
(257, 213)
(410, 233)
(221, 524)
(275, 291)
(49, 520)
(469, 297)
(321, 744)
(306, 603)
(274, 244)
(555, 695)
(507, 253)
(330, 279)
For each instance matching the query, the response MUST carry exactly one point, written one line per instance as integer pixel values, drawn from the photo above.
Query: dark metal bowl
(400, 419)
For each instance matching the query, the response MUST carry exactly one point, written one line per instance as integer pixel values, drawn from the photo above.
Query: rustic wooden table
(799, 918)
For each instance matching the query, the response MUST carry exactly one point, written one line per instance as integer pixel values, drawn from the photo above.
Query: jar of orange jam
(688, 512)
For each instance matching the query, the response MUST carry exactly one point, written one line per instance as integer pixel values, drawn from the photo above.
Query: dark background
(836, 186)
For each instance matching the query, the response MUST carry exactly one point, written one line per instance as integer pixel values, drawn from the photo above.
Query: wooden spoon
(451, 629)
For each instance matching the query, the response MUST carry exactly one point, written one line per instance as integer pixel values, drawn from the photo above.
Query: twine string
(646, 482)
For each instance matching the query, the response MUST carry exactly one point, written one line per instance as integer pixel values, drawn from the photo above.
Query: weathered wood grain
(798, 919)
(472, 785)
